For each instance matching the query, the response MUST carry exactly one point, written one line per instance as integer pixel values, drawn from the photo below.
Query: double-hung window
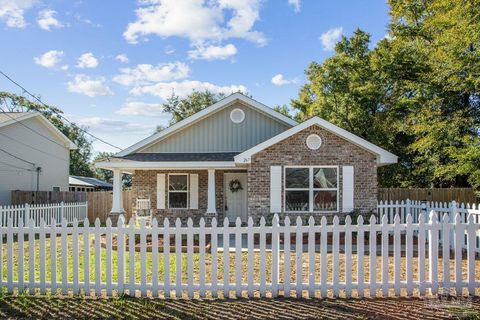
(178, 191)
(311, 189)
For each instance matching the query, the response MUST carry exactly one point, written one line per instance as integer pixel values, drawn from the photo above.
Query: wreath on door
(235, 185)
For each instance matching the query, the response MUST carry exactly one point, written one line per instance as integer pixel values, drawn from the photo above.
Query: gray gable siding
(217, 133)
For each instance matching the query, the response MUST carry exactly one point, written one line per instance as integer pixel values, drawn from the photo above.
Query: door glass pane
(177, 200)
(296, 200)
(177, 182)
(324, 200)
(296, 177)
(324, 177)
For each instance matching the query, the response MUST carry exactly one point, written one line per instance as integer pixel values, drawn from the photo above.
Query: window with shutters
(178, 191)
(311, 189)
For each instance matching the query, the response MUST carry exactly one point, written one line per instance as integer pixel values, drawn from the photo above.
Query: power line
(16, 157)
(13, 166)
(36, 149)
(59, 115)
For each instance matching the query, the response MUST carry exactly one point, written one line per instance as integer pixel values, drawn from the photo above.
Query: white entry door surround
(236, 202)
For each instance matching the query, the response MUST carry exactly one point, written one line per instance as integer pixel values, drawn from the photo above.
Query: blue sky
(110, 64)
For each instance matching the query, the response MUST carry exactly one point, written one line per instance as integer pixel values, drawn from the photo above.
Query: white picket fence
(444, 210)
(43, 212)
(246, 262)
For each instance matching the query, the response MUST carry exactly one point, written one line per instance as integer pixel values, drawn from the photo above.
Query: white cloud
(200, 21)
(183, 88)
(49, 59)
(330, 38)
(122, 58)
(87, 60)
(279, 80)
(46, 20)
(99, 124)
(12, 11)
(295, 4)
(135, 108)
(213, 52)
(91, 87)
(147, 73)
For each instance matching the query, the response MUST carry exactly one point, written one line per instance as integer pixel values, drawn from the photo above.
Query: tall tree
(80, 158)
(416, 93)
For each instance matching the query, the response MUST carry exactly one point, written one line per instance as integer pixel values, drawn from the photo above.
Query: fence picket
(459, 232)
(75, 256)
(348, 256)
(323, 257)
(433, 252)
(275, 255)
(98, 259)
(21, 254)
(143, 258)
(372, 238)
(397, 254)
(384, 255)
(360, 257)
(190, 257)
(471, 254)
(108, 257)
(166, 258)
(214, 251)
(10, 255)
(421, 253)
(286, 258)
(131, 257)
(238, 257)
(120, 255)
(298, 257)
(311, 258)
(409, 254)
(86, 257)
(250, 256)
(154, 257)
(201, 267)
(42, 257)
(31, 257)
(262, 258)
(178, 258)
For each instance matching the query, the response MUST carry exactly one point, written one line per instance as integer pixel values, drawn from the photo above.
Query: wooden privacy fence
(466, 195)
(37, 213)
(99, 202)
(299, 260)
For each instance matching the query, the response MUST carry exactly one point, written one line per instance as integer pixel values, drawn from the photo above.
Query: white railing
(43, 212)
(298, 260)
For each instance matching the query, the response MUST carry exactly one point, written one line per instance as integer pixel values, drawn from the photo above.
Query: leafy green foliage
(181, 108)
(416, 94)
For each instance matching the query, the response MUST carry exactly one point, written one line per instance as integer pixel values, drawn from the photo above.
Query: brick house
(239, 158)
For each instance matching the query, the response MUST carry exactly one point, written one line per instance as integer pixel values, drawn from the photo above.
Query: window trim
(310, 189)
(187, 191)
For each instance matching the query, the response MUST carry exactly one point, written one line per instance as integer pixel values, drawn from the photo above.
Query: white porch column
(211, 204)
(117, 201)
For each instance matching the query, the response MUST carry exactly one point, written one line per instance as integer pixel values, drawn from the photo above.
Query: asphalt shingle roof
(211, 156)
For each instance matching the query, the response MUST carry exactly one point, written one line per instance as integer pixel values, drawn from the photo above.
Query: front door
(236, 196)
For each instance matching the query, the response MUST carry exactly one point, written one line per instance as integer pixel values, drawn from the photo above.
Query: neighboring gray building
(33, 154)
(87, 184)
(239, 158)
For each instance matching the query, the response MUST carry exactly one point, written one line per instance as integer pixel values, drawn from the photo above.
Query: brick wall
(293, 151)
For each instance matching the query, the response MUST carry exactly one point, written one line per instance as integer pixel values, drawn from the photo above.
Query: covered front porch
(184, 190)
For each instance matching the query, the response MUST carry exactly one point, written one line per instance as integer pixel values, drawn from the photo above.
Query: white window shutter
(275, 189)
(160, 191)
(194, 191)
(348, 189)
